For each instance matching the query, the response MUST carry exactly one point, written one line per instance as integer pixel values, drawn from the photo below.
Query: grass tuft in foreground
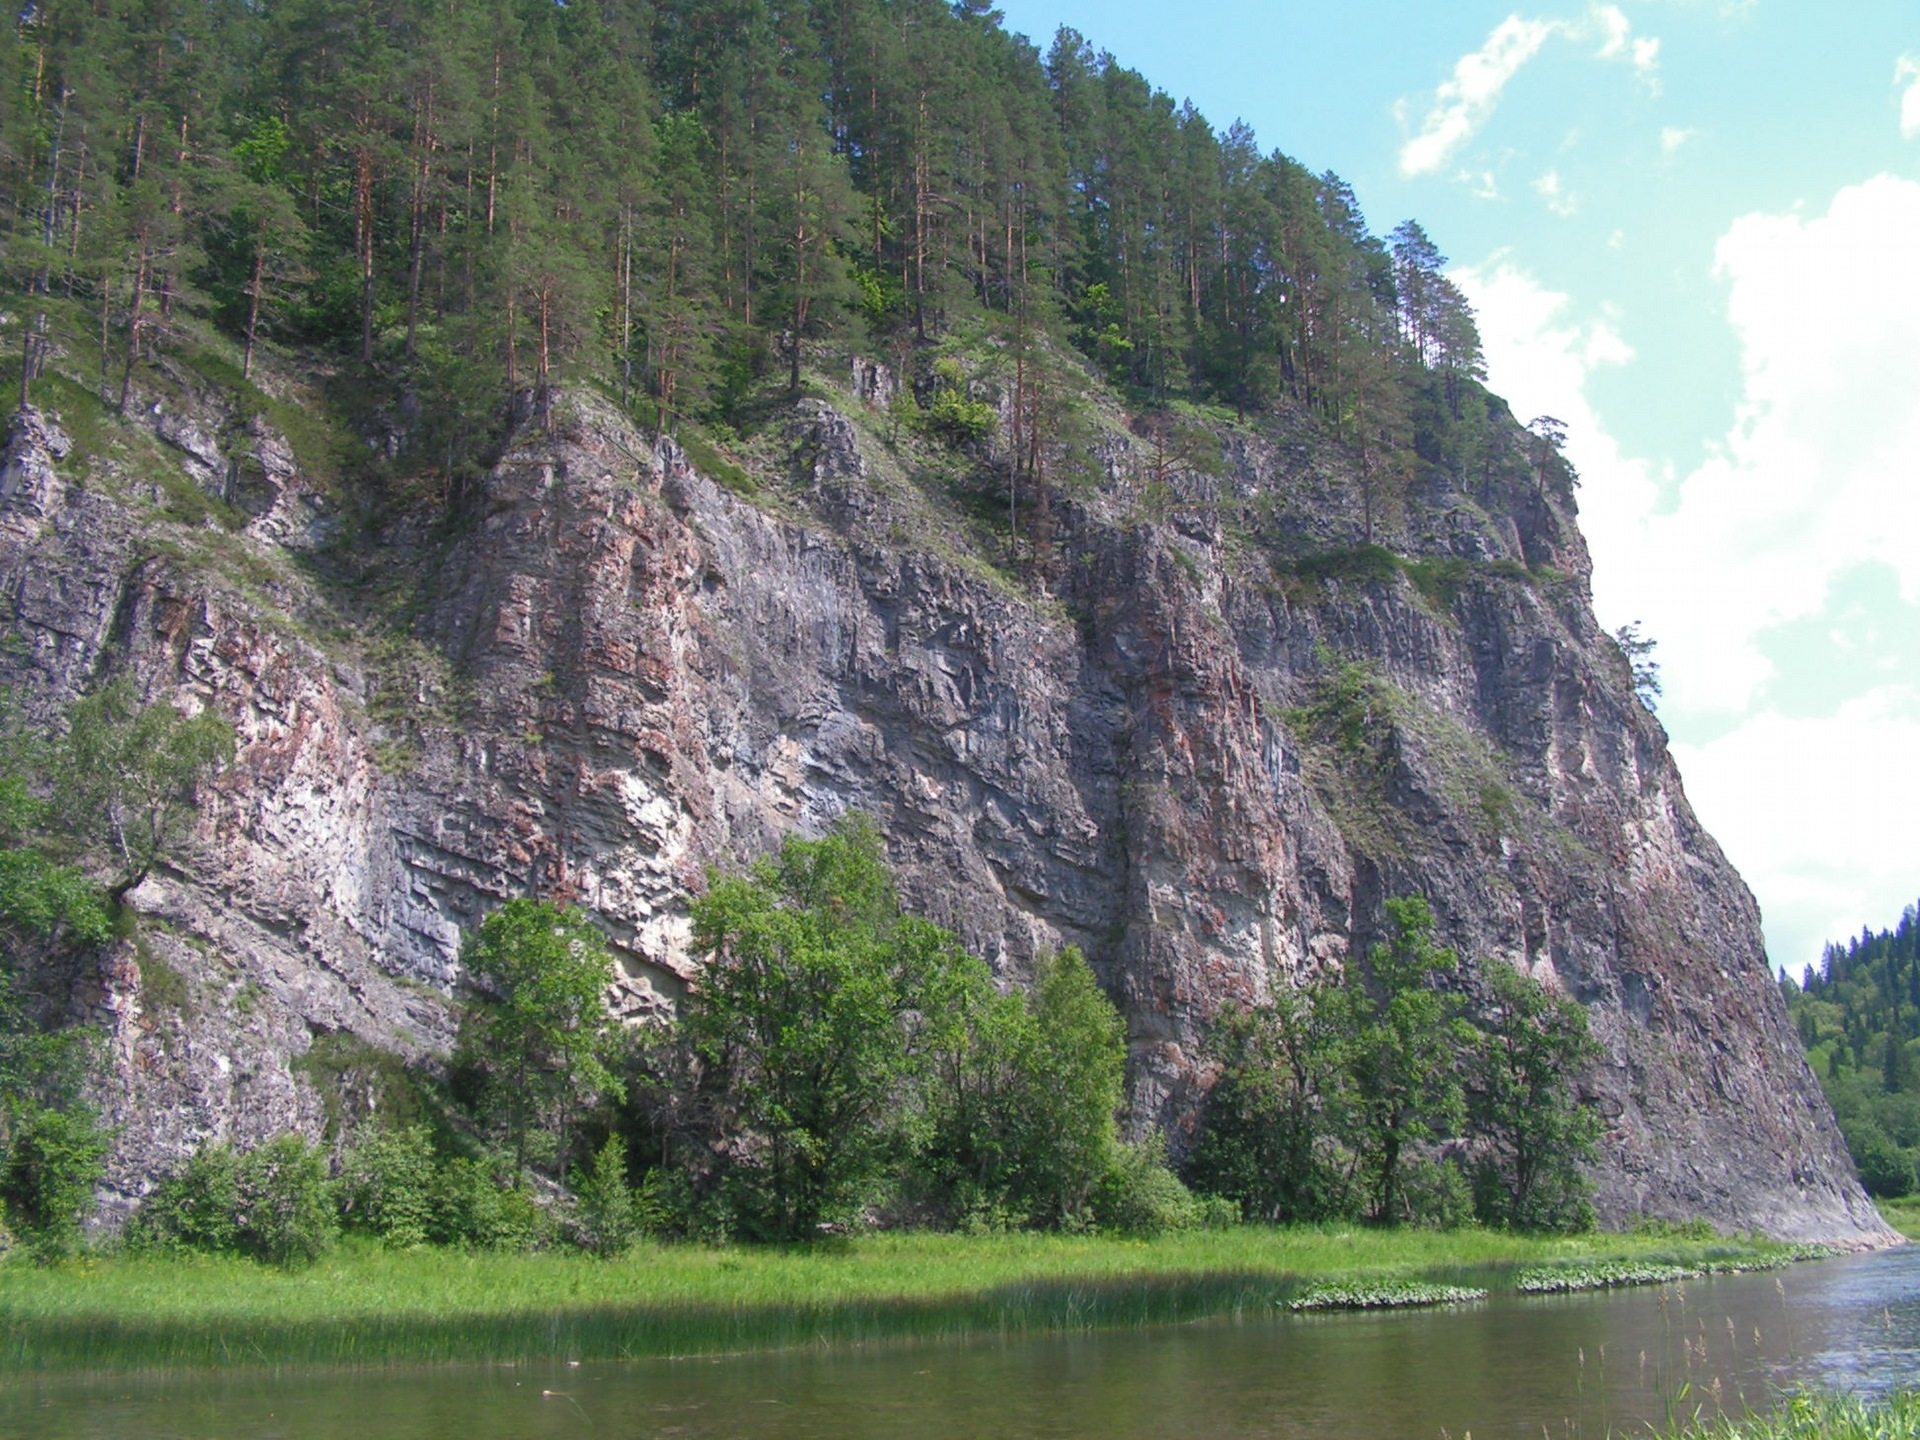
(365, 1306)
(1818, 1417)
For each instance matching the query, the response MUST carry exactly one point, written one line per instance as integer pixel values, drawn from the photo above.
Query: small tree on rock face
(543, 1037)
(130, 774)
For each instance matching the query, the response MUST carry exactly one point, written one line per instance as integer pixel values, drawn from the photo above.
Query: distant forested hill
(1859, 1017)
(477, 201)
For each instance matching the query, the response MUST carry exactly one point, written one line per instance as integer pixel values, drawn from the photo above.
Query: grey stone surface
(622, 674)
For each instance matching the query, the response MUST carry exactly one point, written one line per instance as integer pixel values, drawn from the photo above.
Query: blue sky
(1691, 229)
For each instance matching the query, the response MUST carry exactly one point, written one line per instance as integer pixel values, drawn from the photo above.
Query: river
(1570, 1366)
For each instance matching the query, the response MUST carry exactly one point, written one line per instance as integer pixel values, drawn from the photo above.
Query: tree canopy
(483, 200)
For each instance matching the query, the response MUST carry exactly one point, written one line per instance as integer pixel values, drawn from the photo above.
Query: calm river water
(1568, 1366)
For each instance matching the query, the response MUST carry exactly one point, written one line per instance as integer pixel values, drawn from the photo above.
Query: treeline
(843, 1065)
(1385, 1096)
(482, 199)
(1858, 1013)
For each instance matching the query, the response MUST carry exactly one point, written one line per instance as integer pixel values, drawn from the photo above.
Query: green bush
(957, 421)
(195, 1208)
(387, 1188)
(473, 1207)
(1886, 1169)
(286, 1204)
(1434, 1194)
(606, 1214)
(1139, 1195)
(53, 1162)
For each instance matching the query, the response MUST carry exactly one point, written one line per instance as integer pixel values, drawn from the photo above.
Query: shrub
(1434, 1194)
(53, 1162)
(286, 1208)
(1139, 1195)
(195, 1208)
(471, 1207)
(1885, 1168)
(606, 1214)
(387, 1188)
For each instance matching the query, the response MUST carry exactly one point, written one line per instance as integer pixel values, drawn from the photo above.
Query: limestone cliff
(1203, 732)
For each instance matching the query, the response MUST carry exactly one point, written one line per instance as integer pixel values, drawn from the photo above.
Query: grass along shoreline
(366, 1306)
(1816, 1417)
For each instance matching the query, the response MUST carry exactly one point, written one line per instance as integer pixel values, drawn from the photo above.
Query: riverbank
(362, 1305)
(1903, 1215)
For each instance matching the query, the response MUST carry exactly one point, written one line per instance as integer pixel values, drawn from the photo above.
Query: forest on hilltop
(1858, 1014)
(475, 203)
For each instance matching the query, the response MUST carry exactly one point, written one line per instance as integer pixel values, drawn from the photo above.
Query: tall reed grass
(362, 1305)
(1818, 1417)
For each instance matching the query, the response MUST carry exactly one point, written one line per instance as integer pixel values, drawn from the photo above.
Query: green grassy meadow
(363, 1305)
(1903, 1215)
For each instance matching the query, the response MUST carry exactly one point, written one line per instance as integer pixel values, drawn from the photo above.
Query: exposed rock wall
(618, 674)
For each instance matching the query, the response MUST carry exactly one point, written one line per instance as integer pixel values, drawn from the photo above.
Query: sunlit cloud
(1672, 137)
(1812, 479)
(1464, 103)
(1551, 189)
(1816, 813)
(1906, 75)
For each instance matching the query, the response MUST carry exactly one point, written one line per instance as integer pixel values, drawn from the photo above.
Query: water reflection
(1570, 1366)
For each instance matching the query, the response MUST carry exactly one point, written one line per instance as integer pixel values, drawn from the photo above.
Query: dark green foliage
(1139, 1195)
(839, 1054)
(1269, 1132)
(1333, 1099)
(539, 1038)
(275, 1203)
(605, 1209)
(53, 1161)
(1858, 1015)
(195, 1208)
(387, 1187)
(1401, 1038)
(478, 1204)
(1020, 1094)
(286, 1204)
(1536, 1130)
(486, 204)
(129, 774)
(805, 1026)
(952, 416)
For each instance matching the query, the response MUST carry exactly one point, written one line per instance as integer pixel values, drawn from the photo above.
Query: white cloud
(1817, 816)
(1672, 137)
(1616, 31)
(1464, 103)
(1550, 189)
(1815, 477)
(1906, 72)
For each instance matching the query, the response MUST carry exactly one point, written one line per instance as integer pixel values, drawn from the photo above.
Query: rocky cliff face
(1204, 733)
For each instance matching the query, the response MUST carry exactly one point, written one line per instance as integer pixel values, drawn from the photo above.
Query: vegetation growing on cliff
(1332, 1097)
(672, 199)
(83, 819)
(1858, 1014)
